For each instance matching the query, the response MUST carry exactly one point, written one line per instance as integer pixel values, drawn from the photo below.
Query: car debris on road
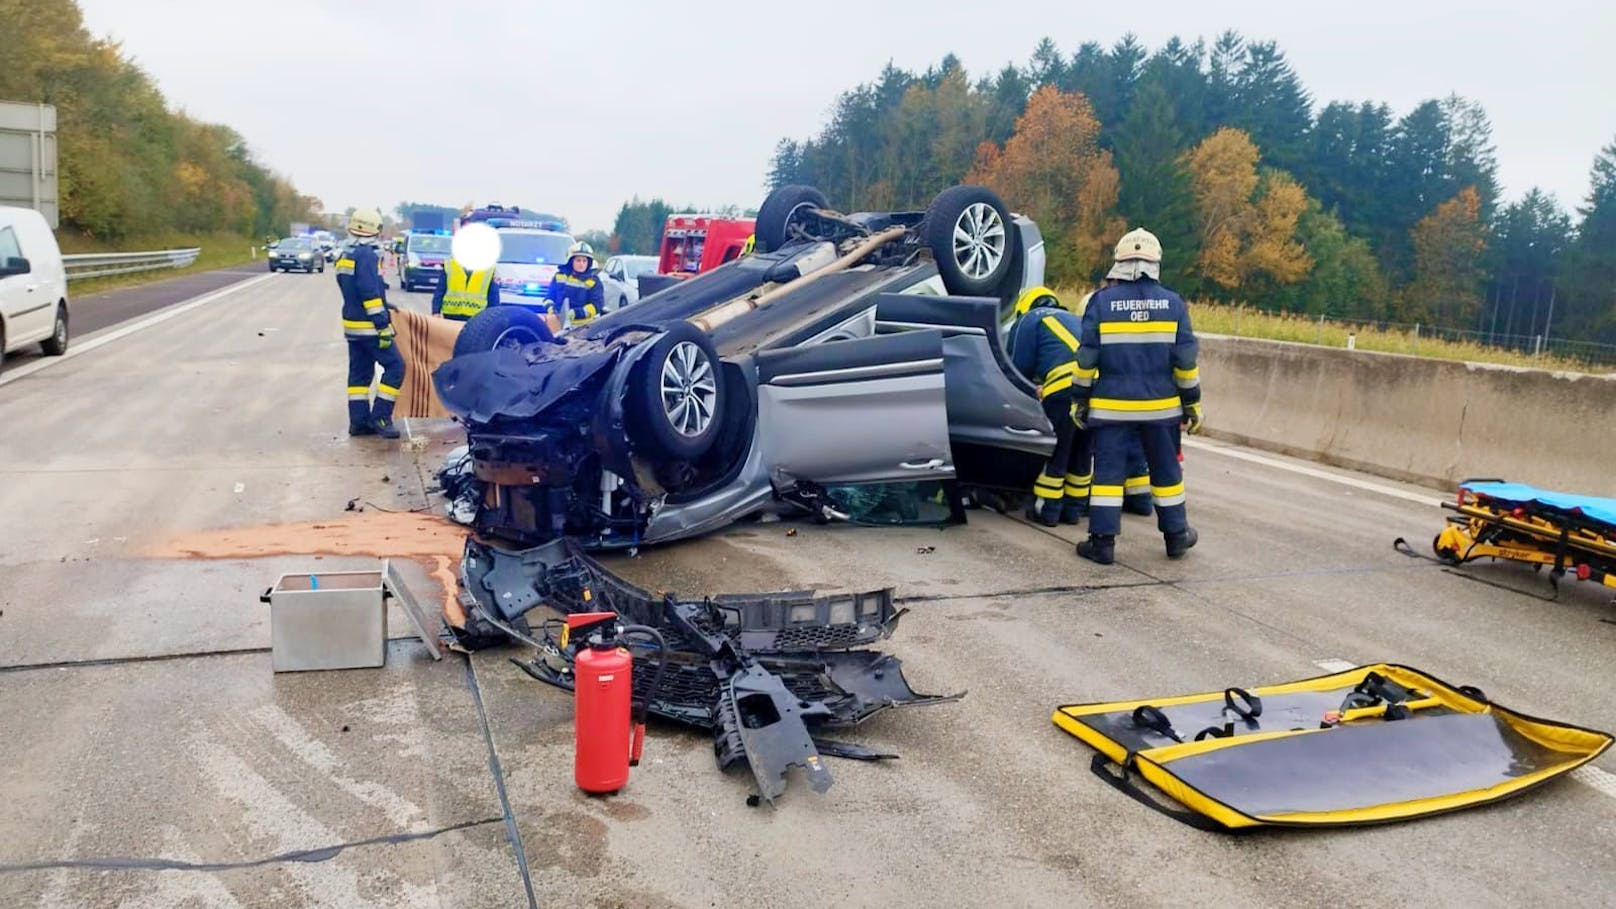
(769, 674)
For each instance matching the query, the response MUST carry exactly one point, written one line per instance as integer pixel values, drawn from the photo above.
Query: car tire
(56, 344)
(272, 269)
(676, 397)
(501, 326)
(774, 219)
(969, 232)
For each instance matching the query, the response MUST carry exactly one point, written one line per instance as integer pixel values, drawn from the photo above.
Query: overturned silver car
(848, 349)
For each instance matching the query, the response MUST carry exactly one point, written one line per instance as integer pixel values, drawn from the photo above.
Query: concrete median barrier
(1433, 422)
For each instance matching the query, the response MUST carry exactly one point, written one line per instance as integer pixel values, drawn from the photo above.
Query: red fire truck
(692, 244)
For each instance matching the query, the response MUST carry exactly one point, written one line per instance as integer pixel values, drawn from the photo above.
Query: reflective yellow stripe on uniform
(386, 392)
(1102, 496)
(1138, 332)
(358, 392)
(344, 266)
(358, 327)
(1059, 331)
(1168, 495)
(1084, 377)
(1136, 485)
(1187, 378)
(1047, 487)
(1123, 404)
(1078, 486)
(373, 306)
(1057, 379)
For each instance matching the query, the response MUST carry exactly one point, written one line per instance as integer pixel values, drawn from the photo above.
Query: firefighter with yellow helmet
(368, 329)
(1043, 347)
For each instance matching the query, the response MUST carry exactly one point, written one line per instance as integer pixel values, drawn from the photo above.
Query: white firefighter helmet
(365, 222)
(1139, 244)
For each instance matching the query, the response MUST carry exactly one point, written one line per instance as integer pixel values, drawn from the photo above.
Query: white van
(33, 284)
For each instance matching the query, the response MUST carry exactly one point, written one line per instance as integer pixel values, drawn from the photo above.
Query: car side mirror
(15, 265)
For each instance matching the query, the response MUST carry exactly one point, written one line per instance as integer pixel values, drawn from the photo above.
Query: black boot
(386, 428)
(1181, 542)
(1101, 549)
(361, 429)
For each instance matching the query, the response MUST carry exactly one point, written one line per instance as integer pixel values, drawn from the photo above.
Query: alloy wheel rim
(689, 391)
(979, 240)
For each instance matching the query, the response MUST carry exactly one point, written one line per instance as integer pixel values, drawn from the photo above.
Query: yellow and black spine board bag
(1370, 745)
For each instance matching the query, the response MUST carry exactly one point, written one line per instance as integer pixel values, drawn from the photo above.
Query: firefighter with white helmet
(1138, 379)
(368, 328)
(576, 294)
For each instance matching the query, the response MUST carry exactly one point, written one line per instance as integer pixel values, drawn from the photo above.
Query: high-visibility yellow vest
(465, 294)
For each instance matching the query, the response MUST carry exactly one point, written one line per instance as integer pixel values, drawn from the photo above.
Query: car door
(870, 410)
(29, 310)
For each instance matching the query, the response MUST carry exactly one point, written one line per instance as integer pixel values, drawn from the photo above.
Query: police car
(532, 247)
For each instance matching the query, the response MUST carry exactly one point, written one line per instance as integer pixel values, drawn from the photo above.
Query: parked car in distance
(296, 254)
(622, 279)
(33, 285)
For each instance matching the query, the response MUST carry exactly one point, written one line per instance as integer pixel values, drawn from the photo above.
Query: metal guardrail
(96, 265)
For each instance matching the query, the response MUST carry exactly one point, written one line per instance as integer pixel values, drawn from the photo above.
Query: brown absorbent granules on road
(381, 534)
(433, 540)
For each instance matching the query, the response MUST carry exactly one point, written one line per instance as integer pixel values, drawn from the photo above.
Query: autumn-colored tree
(1247, 222)
(1448, 244)
(1053, 169)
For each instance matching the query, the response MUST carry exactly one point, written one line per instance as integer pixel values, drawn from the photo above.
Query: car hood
(518, 384)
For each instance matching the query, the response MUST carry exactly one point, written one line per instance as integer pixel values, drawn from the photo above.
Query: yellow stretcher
(1571, 534)
(1370, 745)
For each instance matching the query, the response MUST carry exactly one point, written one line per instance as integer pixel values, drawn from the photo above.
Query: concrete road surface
(149, 757)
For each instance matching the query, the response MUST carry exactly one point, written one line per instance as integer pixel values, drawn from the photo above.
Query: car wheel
(676, 397)
(501, 326)
(969, 232)
(56, 344)
(272, 269)
(780, 209)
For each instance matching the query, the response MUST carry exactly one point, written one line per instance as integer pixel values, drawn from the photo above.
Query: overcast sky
(574, 107)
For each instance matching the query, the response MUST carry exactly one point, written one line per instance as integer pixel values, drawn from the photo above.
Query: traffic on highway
(895, 538)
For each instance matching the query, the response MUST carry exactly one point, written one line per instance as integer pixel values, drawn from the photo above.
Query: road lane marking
(1366, 485)
(1334, 666)
(128, 328)
(1592, 776)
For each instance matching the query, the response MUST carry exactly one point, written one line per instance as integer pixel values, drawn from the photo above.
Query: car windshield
(636, 267)
(296, 243)
(429, 244)
(528, 249)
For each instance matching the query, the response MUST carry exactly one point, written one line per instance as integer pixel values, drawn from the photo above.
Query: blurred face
(579, 263)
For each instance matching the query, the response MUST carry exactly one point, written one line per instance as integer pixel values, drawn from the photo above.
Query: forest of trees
(1348, 210)
(130, 167)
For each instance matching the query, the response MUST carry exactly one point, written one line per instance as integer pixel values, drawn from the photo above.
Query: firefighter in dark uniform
(1137, 336)
(1043, 347)
(369, 330)
(576, 294)
(463, 294)
(1136, 485)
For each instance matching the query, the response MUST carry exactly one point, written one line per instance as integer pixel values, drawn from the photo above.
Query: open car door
(997, 428)
(869, 410)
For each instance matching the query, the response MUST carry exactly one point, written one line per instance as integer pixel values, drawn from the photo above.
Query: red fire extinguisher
(608, 724)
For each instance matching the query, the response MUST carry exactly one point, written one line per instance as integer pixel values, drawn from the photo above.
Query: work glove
(386, 337)
(1080, 414)
(1192, 418)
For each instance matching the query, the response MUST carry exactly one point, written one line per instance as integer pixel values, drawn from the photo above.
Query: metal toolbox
(328, 620)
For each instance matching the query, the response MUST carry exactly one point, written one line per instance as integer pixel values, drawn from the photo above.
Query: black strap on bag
(1123, 781)
(1146, 716)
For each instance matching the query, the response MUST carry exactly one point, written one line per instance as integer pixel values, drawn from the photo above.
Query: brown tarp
(426, 343)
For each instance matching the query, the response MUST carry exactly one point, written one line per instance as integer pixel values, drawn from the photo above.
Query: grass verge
(1246, 322)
